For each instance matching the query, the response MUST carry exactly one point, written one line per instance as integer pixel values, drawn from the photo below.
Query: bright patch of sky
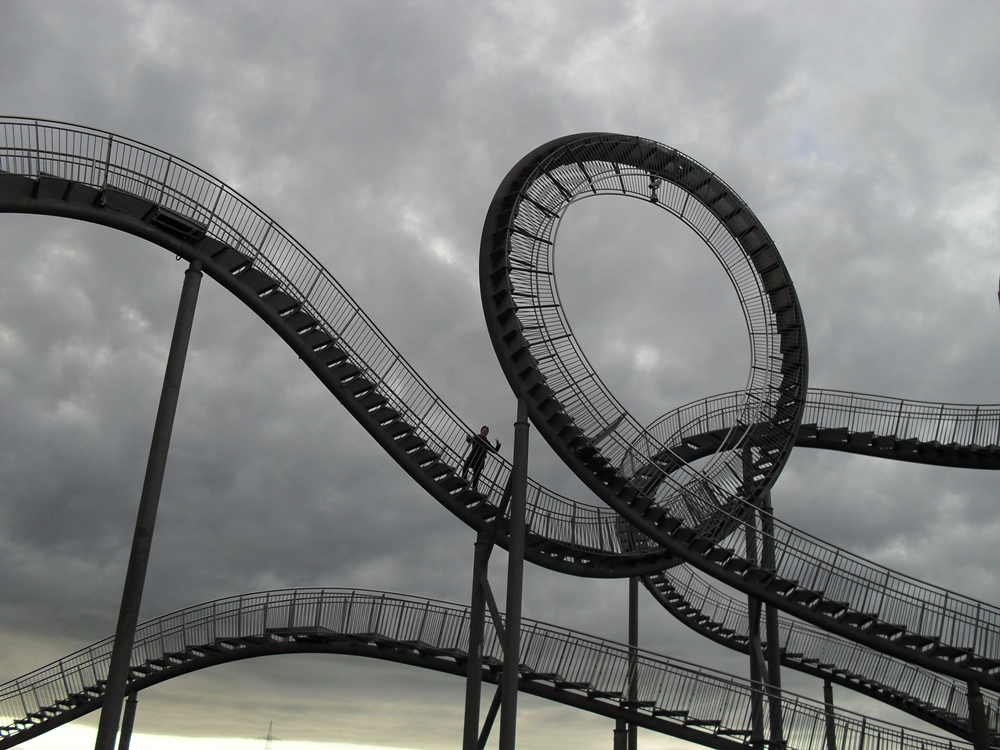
(417, 224)
(73, 736)
(809, 146)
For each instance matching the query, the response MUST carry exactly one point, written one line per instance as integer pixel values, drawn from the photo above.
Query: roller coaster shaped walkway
(674, 697)
(684, 490)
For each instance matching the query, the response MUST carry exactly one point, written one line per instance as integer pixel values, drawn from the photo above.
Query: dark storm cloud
(376, 135)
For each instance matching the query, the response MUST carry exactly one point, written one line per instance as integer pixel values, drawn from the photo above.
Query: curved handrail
(713, 613)
(207, 207)
(958, 435)
(676, 697)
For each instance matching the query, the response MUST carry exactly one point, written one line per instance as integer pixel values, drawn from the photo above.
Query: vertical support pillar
(768, 562)
(128, 720)
(621, 735)
(477, 624)
(515, 579)
(831, 727)
(633, 655)
(753, 632)
(977, 718)
(142, 539)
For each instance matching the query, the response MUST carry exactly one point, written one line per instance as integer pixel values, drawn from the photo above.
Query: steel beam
(477, 624)
(128, 720)
(142, 539)
(977, 718)
(771, 625)
(831, 728)
(515, 579)
(633, 655)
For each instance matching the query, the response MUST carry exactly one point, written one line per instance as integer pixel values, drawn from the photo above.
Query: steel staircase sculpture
(672, 513)
(686, 511)
(674, 697)
(868, 425)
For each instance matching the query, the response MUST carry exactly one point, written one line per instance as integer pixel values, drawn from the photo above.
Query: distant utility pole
(270, 737)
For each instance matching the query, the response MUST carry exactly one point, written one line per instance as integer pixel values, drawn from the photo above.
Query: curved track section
(674, 698)
(545, 365)
(65, 170)
(965, 436)
(953, 435)
(938, 700)
(688, 511)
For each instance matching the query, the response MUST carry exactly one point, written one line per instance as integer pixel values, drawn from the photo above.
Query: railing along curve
(709, 705)
(85, 156)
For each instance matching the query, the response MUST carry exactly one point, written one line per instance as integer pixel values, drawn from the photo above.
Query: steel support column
(757, 666)
(771, 625)
(831, 729)
(128, 721)
(620, 735)
(477, 624)
(515, 579)
(633, 655)
(977, 718)
(142, 539)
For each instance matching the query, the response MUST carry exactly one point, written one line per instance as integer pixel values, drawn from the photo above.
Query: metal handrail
(590, 665)
(968, 425)
(33, 147)
(731, 615)
(964, 425)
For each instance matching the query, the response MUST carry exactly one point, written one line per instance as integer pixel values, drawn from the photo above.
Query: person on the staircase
(479, 445)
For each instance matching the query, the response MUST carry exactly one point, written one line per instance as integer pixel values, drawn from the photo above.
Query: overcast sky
(864, 136)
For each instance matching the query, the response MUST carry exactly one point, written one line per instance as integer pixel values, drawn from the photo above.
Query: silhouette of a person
(479, 447)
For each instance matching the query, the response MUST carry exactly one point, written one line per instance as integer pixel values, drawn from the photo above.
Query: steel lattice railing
(808, 644)
(576, 661)
(545, 365)
(963, 425)
(99, 159)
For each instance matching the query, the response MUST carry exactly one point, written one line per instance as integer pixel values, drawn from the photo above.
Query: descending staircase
(68, 171)
(673, 697)
(714, 614)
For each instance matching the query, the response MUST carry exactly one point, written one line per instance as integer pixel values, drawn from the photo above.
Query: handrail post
(142, 540)
(515, 578)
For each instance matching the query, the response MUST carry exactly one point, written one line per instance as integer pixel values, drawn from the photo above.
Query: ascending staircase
(63, 170)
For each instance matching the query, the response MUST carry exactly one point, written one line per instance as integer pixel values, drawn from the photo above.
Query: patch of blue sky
(809, 147)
